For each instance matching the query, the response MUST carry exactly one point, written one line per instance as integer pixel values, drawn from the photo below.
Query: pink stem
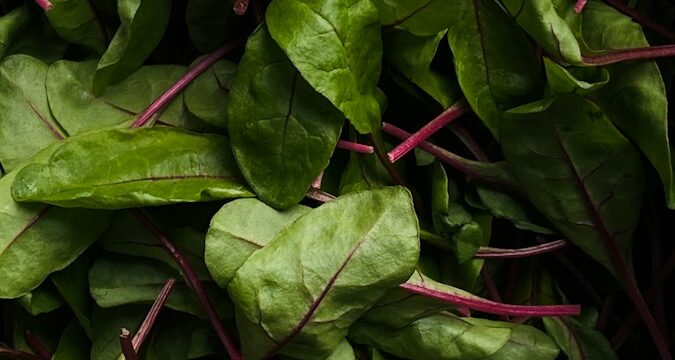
(352, 146)
(240, 7)
(150, 319)
(46, 5)
(493, 307)
(126, 345)
(497, 253)
(319, 195)
(184, 81)
(316, 184)
(16, 354)
(640, 19)
(37, 347)
(643, 53)
(579, 6)
(446, 117)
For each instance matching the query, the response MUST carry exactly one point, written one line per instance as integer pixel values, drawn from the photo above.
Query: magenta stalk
(36, 345)
(193, 282)
(643, 53)
(497, 253)
(125, 343)
(319, 195)
(446, 117)
(151, 317)
(46, 5)
(184, 81)
(579, 6)
(240, 7)
(492, 307)
(352, 146)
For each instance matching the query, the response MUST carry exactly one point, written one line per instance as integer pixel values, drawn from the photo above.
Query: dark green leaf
(207, 22)
(239, 229)
(77, 22)
(73, 285)
(579, 342)
(142, 26)
(420, 17)
(11, 26)
(42, 300)
(338, 52)
(38, 39)
(566, 81)
(107, 324)
(206, 97)
(363, 172)
(183, 338)
(283, 132)
(333, 278)
(579, 171)
(73, 345)
(94, 170)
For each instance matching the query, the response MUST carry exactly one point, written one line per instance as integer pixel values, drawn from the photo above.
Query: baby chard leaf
(122, 168)
(420, 17)
(338, 52)
(11, 26)
(578, 341)
(77, 22)
(300, 294)
(283, 132)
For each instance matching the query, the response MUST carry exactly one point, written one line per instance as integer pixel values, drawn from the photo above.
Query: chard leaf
(207, 22)
(578, 341)
(283, 132)
(93, 170)
(343, 351)
(363, 172)
(579, 171)
(496, 65)
(206, 97)
(77, 22)
(42, 300)
(334, 277)
(581, 81)
(107, 324)
(447, 337)
(506, 206)
(115, 281)
(240, 228)
(338, 52)
(11, 25)
(183, 338)
(419, 17)
(142, 26)
(73, 344)
(73, 286)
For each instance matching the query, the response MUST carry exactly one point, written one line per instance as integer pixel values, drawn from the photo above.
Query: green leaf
(207, 22)
(577, 341)
(73, 285)
(183, 338)
(447, 337)
(363, 172)
(116, 280)
(340, 265)
(206, 97)
(581, 81)
(497, 67)
(412, 55)
(42, 300)
(240, 228)
(547, 27)
(77, 22)
(46, 327)
(420, 17)
(107, 324)
(73, 345)
(142, 26)
(636, 89)
(11, 25)
(38, 39)
(283, 132)
(94, 170)
(343, 351)
(579, 171)
(338, 52)
(26, 124)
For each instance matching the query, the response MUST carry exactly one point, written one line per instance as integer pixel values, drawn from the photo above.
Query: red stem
(386, 162)
(319, 195)
(316, 184)
(446, 117)
(643, 53)
(184, 81)
(38, 348)
(640, 19)
(493, 307)
(17, 355)
(126, 345)
(497, 253)
(240, 7)
(579, 6)
(46, 5)
(151, 318)
(352, 146)
(193, 282)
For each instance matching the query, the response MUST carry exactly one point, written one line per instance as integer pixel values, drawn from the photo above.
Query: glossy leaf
(283, 132)
(11, 25)
(206, 97)
(115, 281)
(240, 228)
(579, 171)
(77, 22)
(496, 65)
(207, 22)
(444, 336)
(335, 278)
(26, 124)
(577, 341)
(420, 17)
(412, 56)
(73, 286)
(339, 53)
(73, 345)
(581, 81)
(172, 166)
(142, 26)
(42, 300)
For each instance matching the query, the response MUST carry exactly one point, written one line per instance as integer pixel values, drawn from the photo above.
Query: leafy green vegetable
(73, 345)
(207, 22)
(41, 300)
(578, 341)
(11, 25)
(77, 22)
(206, 96)
(420, 17)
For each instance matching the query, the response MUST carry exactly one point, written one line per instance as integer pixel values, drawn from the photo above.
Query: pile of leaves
(336, 179)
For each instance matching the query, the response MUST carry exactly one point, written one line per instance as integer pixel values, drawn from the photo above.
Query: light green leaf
(77, 22)
(122, 168)
(240, 228)
(11, 25)
(338, 52)
(579, 342)
(206, 97)
(581, 81)
(283, 132)
(336, 273)
(142, 26)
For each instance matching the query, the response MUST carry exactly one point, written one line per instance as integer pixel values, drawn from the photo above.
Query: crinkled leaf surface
(338, 52)
(283, 132)
(300, 294)
(142, 26)
(579, 171)
(578, 341)
(206, 97)
(496, 65)
(123, 168)
(77, 22)
(240, 228)
(11, 25)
